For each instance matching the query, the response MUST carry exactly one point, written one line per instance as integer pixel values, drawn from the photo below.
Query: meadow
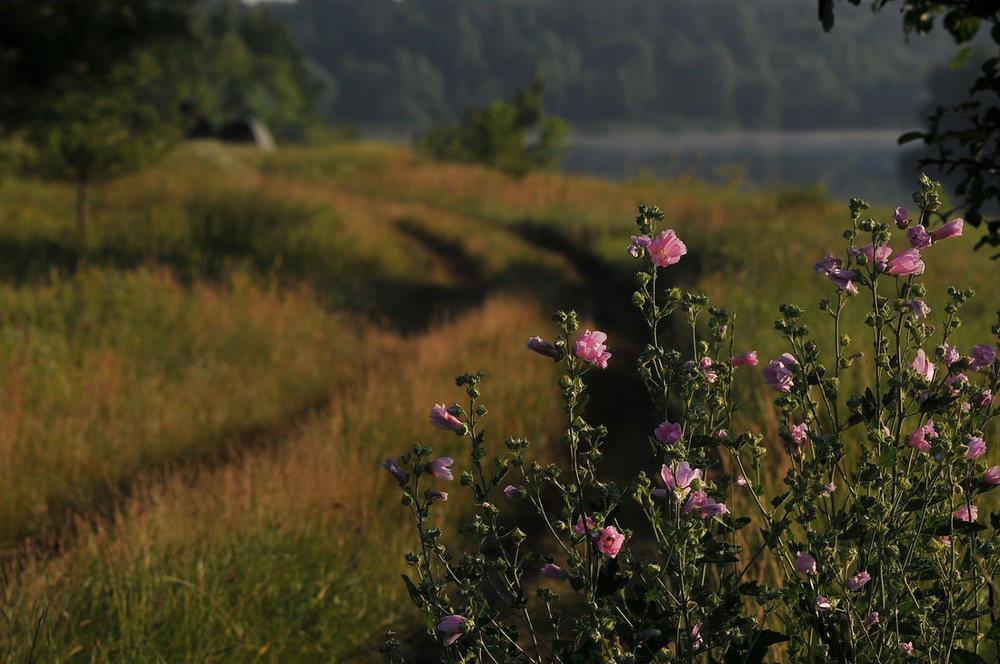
(192, 423)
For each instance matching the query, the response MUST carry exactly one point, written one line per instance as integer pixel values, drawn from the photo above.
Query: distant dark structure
(244, 130)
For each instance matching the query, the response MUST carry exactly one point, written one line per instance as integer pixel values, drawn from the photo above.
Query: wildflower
(394, 468)
(922, 365)
(696, 641)
(741, 481)
(451, 626)
(844, 279)
(542, 347)
(918, 308)
(877, 256)
(952, 229)
(826, 489)
(439, 468)
(918, 439)
(805, 563)
(747, 359)
(992, 475)
(582, 526)
(590, 347)
(901, 217)
(609, 541)
(678, 481)
(793, 442)
(669, 433)
(985, 398)
(704, 506)
(704, 366)
(777, 375)
(976, 448)
(639, 242)
(870, 621)
(647, 634)
(666, 249)
(822, 603)
(510, 491)
(858, 580)
(919, 239)
(983, 356)
(907, 647)
(442, 419)
(433, 495)
(967, 513)
(944, 540)
(906, 263)
(957, 378)
(949, 354)
(829, 263)
(553, 571)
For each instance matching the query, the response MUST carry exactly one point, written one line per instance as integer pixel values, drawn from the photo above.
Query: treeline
(666, 63)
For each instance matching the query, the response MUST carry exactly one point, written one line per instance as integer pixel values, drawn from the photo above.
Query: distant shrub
(515, 137)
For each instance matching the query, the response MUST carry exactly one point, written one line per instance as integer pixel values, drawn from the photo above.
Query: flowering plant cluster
(874, 546)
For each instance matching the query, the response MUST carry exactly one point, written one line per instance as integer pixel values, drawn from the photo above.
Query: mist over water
(867, 164)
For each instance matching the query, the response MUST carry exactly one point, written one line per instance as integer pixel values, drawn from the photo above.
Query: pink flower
(582, 526)
(923, 366)
(696, 641)
(967, 513)
(906, 263)
(918, 439)
(992, 475)
(796, 437)
(678, 481)
(949, 354)
(907, 647)
(669, 433)
(666, 249)
(439, 467)
(704, 506)
(823, 604)
(510, 491)
(944, 540)
(451, 626)
(977, 448)
(919, 239)
(877, 256)
(961, 379)
(542, 347)
(639, 242)
(704, 366)
(952, 229)
(827, 264)
(805, 563)
(553, 571)
(777, 375)
(858, 580)
(609, 541)
(901, 217)
(747, 359)
(983, 355)
(741, 481)
(918, 308)
(394, 468)
(434, 495)
(870, 621)
(590, 348)
(442, 419)
(843, 279)
(826, 489)
(985, 398)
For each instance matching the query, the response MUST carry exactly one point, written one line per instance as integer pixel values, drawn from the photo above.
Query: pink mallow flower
(918, 308)
(983, 355)
(666, 249)
(967, 513)
(985, 398)
(901, 218)
(870, 621)
(952, 229)
(949, 354)
(451, 627)
(678, 481)
(805, 564)
(590, 348)
(905, 264)
(798, 435)
(919, 239)
(704, 505)
(747, 359)
(639, 242)
(510, 491)
(976, 448)
(918, 439)
(542, 347)
(553, 571)
(442, 419)
(439, 468)
(705, 367)
(822, 604)
(907, 648)
(583, 525)
(777, 375)
(992, 475)
(669, 433)
(609, 541)
(393, 467)
(858, 580)
(922, 365)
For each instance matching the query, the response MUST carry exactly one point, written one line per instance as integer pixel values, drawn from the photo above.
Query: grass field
(191, 427)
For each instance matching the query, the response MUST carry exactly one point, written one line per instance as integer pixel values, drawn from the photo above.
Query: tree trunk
(82, 220)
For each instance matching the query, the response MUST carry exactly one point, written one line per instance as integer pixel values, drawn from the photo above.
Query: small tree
(499, 135)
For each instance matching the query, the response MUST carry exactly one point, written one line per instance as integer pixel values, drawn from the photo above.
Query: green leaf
(936, 403)
(777, 500)
(961, 58)
(910, 136)
(960, 656)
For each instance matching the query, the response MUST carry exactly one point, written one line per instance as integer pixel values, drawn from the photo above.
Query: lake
(864, 164)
